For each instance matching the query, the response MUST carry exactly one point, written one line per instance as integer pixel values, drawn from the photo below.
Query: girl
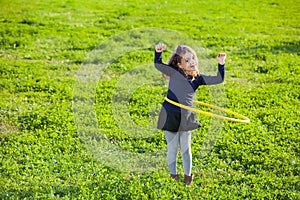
(177, 123)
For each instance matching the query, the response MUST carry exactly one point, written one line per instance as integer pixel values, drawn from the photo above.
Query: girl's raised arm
(159, 65)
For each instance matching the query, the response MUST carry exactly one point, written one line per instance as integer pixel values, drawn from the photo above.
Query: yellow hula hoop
(243, 120)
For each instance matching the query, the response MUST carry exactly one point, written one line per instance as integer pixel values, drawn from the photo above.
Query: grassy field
(80, 96)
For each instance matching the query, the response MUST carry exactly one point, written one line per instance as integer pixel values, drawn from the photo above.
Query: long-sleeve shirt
(182, 89)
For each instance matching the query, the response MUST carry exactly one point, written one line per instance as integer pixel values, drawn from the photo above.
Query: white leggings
(182, 138)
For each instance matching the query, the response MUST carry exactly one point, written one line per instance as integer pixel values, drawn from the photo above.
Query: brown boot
(188, 179)
(175, 177)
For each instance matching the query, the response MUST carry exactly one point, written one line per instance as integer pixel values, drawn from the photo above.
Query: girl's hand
(221, 58)
(160, 47)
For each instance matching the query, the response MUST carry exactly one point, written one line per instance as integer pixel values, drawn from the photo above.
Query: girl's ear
(179, 65)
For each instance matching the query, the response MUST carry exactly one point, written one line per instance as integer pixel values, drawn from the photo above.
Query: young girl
(177, 123)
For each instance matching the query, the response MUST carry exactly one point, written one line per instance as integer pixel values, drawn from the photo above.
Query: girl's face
(188, 63)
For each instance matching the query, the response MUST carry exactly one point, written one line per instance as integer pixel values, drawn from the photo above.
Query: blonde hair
(182, 52)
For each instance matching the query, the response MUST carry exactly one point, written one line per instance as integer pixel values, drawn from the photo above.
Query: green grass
(44, 46)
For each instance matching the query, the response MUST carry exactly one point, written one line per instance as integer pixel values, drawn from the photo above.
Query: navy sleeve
(159, 65)
(212, 80)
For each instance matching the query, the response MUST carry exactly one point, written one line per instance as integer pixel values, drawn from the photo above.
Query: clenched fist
(160, 47)
(221, 58)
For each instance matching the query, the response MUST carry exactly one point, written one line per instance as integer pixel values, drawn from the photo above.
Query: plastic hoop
(243, 120)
